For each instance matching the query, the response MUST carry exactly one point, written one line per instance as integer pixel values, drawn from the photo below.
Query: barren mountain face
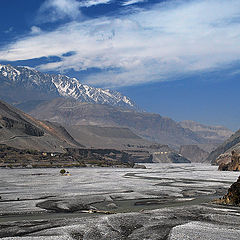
(18, 129)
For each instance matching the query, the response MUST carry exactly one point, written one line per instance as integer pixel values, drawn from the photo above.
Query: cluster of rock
(223, 152)
(233, 165)
(233, 195)
(227, 155)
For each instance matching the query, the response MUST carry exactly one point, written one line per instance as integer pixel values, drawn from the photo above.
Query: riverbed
(164, 201)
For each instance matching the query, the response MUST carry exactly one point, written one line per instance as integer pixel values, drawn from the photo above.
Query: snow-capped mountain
(28, 80)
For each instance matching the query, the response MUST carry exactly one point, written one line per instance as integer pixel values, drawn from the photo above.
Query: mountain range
(208, 132)
(24, 138)
(21, 84)
(150, 126)
(96, 117)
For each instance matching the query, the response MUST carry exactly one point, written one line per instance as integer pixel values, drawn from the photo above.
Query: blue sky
(179, 58)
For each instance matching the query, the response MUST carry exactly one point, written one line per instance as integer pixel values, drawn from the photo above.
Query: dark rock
(224, 166)
(233, 195)
(33, 131)
(139, 166)
(230, 144)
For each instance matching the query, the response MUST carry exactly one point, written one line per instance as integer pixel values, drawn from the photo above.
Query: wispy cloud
(53, 10)
(36, 30)
(148, 45)
(130, 2)
(89, 3)
(9, 30)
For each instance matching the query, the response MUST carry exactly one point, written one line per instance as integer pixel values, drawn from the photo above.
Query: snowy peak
(62, 85)
(10, 72)
(71, 87)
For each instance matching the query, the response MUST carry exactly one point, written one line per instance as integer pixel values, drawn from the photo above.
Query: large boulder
(233, 165)
(233, 195)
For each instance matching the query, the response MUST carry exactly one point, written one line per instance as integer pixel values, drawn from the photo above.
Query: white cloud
(149, 45)
(89, 3)
(36, 30)
(130, 2)
(53, 10)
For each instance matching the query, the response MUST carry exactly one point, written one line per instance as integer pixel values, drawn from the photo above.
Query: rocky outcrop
(18, 129)
(193, 153)
(232, 143)
(21, 125)
(223, 159)
(233, 195)
(233, 165)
